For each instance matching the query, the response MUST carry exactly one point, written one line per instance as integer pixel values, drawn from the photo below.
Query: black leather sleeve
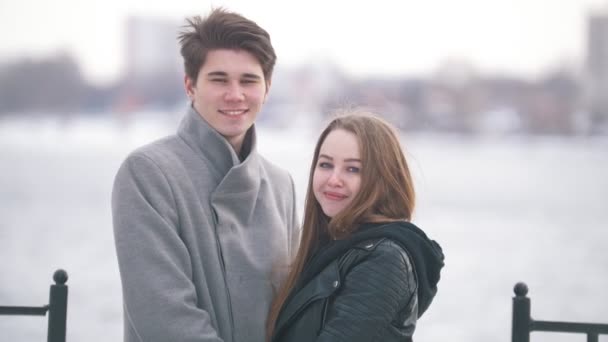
(377, 300)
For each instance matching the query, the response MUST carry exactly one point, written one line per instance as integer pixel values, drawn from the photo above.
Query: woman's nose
(335, 179)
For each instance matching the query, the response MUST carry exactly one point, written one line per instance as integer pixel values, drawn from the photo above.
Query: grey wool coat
(202, 238)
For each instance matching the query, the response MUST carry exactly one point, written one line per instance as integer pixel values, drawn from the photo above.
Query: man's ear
(189, 86)
(268, 82)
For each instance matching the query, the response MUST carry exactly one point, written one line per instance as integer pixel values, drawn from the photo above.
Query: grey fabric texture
(202, 238)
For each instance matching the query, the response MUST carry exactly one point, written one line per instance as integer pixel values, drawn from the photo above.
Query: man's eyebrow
(254, 76)
(225, 74)
(217, 73)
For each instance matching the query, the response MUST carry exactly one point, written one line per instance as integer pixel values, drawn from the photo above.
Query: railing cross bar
(24, 310)
(569, 327)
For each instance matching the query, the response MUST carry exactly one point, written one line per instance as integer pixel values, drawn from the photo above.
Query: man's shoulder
(159, 151)
(161, 156)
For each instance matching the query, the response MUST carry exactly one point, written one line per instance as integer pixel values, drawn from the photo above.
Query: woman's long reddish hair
(386, 194)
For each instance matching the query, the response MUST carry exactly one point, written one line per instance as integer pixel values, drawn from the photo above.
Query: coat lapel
(321, 286)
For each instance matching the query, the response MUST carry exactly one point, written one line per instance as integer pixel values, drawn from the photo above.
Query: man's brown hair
(223, 29)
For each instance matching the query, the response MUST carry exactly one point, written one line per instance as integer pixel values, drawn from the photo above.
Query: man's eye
(248, 81)
(218, 80)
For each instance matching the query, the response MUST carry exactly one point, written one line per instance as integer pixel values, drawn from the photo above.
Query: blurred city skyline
(457, 94)
(518, 37)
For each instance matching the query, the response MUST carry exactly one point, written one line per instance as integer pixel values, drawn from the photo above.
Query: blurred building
(597, 69)
(151, 46)
(153, 66)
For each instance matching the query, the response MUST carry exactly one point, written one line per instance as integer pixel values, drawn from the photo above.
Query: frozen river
(504, 210)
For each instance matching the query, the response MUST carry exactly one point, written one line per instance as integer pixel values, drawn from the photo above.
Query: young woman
(363, 271)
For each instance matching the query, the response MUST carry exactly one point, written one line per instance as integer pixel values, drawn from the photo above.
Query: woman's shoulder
(381, 245)
(381, 252)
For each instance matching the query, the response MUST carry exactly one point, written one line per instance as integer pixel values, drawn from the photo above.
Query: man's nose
(234, 92)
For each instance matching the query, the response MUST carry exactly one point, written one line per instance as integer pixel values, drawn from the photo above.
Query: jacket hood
(426, 254)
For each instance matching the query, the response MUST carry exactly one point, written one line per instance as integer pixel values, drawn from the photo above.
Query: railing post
(58, 306)
(520, 331)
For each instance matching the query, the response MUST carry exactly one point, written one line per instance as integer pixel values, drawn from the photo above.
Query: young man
(203, 224)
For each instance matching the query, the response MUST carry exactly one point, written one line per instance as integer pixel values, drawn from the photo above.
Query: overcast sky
(400, 37)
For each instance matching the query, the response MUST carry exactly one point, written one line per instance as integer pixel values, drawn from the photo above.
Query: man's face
(229, 92)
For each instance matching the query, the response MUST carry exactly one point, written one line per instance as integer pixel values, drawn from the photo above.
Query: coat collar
(211, 145)
(235, 196)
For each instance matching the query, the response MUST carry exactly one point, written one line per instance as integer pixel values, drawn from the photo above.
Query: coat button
(336, 283)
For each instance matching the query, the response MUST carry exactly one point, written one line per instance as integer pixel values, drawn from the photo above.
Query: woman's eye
(324, 165)
(353, 169)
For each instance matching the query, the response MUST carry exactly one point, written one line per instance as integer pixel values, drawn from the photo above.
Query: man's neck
(242, 145)
(237, 145)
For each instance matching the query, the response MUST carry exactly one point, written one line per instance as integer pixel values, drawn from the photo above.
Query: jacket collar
(322, 286)
(236, 194)
(426, 254)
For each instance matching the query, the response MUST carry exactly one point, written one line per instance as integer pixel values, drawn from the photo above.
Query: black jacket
(370, 287)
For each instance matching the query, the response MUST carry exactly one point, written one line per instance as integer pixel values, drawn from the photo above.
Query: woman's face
(337, 174)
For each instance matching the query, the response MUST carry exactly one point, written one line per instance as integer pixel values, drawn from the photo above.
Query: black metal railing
(57, 308)
(523, 324)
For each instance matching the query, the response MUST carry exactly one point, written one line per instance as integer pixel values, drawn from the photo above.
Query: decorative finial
(60, 277)
(521, 289)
